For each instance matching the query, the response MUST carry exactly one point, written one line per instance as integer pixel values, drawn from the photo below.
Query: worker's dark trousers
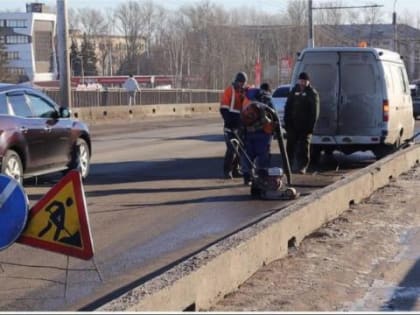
(298, 149)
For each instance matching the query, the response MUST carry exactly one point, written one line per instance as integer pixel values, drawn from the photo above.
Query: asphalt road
(155, 195)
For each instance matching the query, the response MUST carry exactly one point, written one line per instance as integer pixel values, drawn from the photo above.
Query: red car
(38, 137)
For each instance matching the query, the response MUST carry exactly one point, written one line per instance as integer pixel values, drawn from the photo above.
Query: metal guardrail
(115, 97)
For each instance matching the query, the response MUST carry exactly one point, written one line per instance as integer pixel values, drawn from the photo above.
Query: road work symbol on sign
(14, 207)
(59, 221)
(57, 215)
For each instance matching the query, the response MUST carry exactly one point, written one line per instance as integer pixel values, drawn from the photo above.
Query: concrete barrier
(101, 114)
(206, 277)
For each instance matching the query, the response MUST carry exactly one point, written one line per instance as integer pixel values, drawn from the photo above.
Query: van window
(324, 80)
(388, 79)
(398, 80)
(404, 80)
(322, 75)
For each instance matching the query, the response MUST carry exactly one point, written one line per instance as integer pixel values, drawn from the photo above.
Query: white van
(364, 95)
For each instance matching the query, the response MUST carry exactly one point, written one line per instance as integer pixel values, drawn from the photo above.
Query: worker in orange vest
(231, 103)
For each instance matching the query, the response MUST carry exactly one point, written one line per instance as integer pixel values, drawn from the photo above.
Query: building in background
(110, 50)
(29, 42)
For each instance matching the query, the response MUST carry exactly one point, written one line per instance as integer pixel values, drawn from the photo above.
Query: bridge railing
(116, 97)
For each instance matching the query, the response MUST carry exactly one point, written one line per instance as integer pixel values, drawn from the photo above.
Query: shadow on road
(407, 293)
(140, 206)
(196, 169)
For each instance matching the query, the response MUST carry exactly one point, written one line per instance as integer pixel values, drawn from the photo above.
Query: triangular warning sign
(59, 221)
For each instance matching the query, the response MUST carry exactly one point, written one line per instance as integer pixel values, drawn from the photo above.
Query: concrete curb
(206, 277)
(101, 114)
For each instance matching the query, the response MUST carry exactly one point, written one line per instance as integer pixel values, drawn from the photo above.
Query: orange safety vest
(232, 100)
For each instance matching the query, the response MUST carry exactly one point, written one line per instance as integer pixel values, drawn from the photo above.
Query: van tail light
(385, 107)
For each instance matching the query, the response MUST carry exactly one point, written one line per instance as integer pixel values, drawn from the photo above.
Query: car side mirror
(64, 112)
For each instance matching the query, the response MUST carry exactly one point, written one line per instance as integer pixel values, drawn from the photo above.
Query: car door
(58, 130)
(31, 131)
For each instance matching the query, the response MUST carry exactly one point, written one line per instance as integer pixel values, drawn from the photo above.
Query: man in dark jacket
(300, 115)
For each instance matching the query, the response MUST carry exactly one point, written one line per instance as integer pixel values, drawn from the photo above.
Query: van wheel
(315, 155)
(397, 143)
(329, 152)
(383, 150)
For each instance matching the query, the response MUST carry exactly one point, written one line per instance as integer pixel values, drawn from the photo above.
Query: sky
(401, 6)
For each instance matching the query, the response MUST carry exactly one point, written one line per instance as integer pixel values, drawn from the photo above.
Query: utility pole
(310, 21)
(63, 53)
(311, 43)
(394, 25)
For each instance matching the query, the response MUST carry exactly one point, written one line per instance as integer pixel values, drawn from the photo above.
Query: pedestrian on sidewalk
(132, 88)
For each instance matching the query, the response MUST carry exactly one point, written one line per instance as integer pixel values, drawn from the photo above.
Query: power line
(311, 8)
(348, 7)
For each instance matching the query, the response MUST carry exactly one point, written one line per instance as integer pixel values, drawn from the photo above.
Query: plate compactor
(267, 183)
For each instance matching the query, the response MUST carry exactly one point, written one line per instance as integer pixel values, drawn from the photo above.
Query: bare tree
(175, 41)
(203, 58)
(297, 12)
(73, 19)
(373, 15)
(92, 22)
(330, 13)
(108, 57)
(409, 18)
(137, 22)
(128, 16)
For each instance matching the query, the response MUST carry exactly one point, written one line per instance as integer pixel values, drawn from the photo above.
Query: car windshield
(281, 92)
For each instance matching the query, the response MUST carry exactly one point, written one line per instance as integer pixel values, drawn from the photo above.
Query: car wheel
(81, 158)
(12, 166)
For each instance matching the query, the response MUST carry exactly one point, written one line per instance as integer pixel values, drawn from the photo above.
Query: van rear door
(322, 68)
(360, 100)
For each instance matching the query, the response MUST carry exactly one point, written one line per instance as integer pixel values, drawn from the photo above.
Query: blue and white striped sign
(14, 208)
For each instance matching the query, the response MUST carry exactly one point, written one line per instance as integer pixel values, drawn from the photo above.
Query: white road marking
(7, 191)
